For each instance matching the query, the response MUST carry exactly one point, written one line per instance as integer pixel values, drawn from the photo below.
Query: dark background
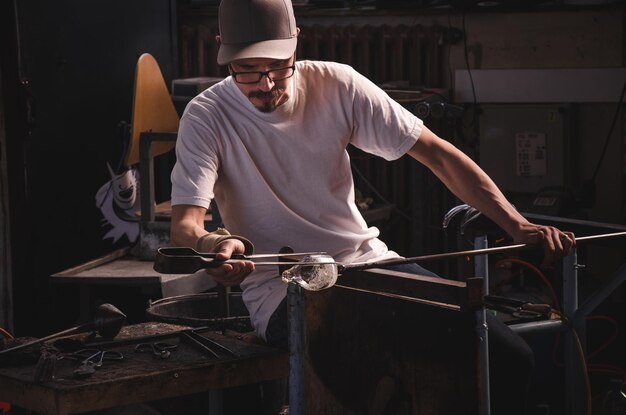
(67, 82)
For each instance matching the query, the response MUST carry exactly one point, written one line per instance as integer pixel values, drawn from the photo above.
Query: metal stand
(146, 171)
(152, 234)
(481, 269)
(574, 323)
(296, 325)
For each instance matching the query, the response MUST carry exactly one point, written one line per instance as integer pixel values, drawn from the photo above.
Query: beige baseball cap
(256, 29)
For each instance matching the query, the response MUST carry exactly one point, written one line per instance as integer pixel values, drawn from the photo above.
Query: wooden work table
(122, 269)
(140, 377)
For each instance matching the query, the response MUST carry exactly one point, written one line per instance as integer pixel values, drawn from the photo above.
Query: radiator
(383, 53)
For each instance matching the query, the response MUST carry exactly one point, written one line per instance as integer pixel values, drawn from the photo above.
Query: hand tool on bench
(108, 322)
(92, 359)
(518, 308)
(161, 350)
(206, 344)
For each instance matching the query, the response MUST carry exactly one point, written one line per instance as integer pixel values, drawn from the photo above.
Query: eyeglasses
(254, 77)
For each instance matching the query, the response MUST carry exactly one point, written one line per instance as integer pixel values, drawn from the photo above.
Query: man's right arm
(187, 225)
(187, 229)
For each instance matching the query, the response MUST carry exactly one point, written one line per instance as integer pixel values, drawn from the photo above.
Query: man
(269, 144)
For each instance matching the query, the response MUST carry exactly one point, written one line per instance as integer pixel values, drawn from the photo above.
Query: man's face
(266, 94)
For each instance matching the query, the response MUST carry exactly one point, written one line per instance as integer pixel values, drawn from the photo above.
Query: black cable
(473, 140)
(450, 76)
(18, 43)
(608, 136)
(467, 65)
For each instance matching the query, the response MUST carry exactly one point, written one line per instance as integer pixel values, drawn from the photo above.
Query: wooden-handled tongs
(175, 260)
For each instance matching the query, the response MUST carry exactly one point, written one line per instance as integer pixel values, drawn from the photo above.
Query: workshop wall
(561, 40)
(72, 73)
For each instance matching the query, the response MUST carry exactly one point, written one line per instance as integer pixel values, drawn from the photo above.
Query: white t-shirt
(283, 178)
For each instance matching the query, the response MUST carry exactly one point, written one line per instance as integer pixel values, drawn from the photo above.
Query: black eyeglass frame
(262, 74)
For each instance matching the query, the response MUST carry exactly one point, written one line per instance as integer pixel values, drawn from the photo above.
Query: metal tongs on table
(205, 344)
(518, 308)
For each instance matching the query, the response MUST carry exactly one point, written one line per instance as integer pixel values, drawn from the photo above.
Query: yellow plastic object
(153, 108)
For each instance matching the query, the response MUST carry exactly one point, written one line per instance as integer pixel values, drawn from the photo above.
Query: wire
(473, 127)
(591, 368)
(450, 77)
(581, 355)
(20, 71)
(611, 338)
(606, 344)
(466, 56)
(608, 136)
(608, 369)
(541, 275)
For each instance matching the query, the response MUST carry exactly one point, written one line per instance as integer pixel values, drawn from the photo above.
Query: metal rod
(538, 326)
(481, 269)
(67, 332)
(189, 336)
(186, 251)
(213, 343)
(296, 324)
(574, 389)
(471, 252)
(173, 262)
(108, 322)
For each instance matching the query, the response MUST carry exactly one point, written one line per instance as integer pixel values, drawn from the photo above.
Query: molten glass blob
(313, 277)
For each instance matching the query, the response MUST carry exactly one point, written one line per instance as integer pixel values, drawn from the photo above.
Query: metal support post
(296, 324)
(216, 402)
(146, 177)
(574, 387)
(481, 265)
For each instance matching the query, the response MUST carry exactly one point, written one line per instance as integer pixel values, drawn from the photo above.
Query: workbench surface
(141, 377)
(122, 268)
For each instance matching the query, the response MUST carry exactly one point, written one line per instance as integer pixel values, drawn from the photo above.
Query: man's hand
(555, 243)
(230, 275)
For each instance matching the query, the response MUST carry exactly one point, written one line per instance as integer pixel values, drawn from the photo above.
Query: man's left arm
(463, 177)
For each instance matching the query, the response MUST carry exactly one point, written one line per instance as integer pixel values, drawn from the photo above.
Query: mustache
(273, 93)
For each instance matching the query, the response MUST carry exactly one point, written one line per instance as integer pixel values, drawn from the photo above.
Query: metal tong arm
(206, 344)
(472, 252)
(513, 304)
(183, 260)
(187, 260)
(186, 251)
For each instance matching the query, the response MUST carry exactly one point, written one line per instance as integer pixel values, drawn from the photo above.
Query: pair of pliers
(158, 349)
(518, 308)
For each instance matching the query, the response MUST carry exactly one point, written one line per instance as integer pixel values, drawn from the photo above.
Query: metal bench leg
(481, 269)
(297, 391)
(575, 396)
